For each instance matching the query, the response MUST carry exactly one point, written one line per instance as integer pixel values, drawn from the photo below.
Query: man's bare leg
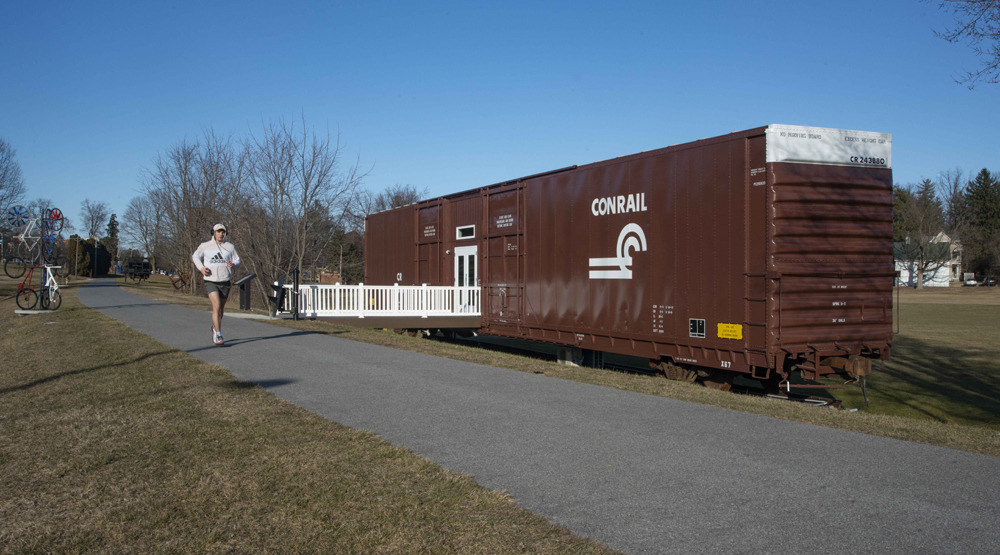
(217, 306)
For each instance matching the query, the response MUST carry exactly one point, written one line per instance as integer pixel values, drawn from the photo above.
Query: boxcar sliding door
(504, 256)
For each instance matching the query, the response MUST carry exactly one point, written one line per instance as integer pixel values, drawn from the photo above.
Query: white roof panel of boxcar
(835, 147)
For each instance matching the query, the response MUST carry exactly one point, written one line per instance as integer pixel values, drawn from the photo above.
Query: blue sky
(451, 96)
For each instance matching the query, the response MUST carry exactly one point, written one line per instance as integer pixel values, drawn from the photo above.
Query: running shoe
(218, 337)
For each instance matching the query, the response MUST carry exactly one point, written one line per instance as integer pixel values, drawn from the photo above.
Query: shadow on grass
(966, 388)
(54, 377)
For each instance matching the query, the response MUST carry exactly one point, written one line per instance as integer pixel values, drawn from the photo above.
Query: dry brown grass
(112, 442)
(983, 296)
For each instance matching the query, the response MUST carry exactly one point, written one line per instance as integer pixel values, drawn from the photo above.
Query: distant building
(950, 271)
(328, 277)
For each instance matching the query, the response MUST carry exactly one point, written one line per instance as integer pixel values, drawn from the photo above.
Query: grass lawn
(940, 388)
(112, 442)
(945, 362)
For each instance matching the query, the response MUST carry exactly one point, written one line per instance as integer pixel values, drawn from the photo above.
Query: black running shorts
(221, 286)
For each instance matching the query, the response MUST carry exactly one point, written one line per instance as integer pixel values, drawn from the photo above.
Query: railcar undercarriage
(852, 368)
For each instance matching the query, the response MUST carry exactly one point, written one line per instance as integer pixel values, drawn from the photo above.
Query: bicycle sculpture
(38, 246)
(47, 297)
(38, 241)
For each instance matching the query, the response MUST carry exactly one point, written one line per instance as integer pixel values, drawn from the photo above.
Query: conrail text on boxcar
(619, 205)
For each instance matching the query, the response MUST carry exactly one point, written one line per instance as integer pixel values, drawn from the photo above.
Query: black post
(295, 294)
(245, 296)
(244, 284)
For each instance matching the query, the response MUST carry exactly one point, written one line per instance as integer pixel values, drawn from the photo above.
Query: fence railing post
(295, 294)
(423, 300)
(362, 301)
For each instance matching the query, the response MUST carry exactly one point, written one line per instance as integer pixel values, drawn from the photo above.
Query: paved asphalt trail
(641, 474)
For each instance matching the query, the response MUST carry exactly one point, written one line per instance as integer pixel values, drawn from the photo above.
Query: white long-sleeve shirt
(214, 255)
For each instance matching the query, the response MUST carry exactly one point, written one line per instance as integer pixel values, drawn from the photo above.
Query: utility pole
(340, 271)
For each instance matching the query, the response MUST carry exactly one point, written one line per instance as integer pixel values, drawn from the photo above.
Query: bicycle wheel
(27, 298)
(30, 255)
(56, 220)
(50, 299)
(52, 255)
(14, 267)
(62, 269)
(17, 216)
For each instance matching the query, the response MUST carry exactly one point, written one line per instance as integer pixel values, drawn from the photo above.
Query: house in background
(946, 268)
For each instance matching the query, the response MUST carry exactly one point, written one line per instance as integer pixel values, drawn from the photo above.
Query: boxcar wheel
(672, 371)
(716, 378)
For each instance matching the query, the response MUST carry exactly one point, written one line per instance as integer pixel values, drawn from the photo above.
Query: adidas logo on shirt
(217, 259)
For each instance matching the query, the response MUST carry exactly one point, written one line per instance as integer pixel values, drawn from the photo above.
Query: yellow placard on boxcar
(730, 331)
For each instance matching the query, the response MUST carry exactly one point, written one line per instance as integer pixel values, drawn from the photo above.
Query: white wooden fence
(317, 301)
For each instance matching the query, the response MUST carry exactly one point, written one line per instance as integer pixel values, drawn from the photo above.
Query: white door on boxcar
(466, 273)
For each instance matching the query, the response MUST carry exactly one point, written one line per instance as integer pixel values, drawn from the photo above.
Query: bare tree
(12, 187)
(951, 186)
(284, 194)
(368, 202)
(918, 216)
(40, 206)
(296, 194)
(94, 215)
(977, 23)
(174, 186)
(398, 196)
(141, 225)
(190, 187)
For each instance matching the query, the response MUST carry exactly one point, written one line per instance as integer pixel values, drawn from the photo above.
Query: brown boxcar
(760, 252)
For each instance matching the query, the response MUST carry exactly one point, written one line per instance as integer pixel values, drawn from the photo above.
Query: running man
(216, 260)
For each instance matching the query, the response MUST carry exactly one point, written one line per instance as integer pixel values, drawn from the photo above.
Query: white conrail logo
(631, 238)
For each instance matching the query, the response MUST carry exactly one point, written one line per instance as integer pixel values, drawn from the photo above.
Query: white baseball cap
(218, 227)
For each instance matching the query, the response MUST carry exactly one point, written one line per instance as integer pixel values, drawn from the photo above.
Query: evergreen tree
(77, 256)
(111, 238)
(901, 200)
(982, 245)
